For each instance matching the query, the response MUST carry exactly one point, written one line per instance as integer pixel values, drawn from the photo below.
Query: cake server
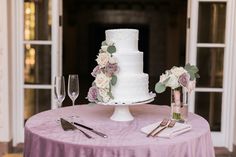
(91, 129)
(68, 126)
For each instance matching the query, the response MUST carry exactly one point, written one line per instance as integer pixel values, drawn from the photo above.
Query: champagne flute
(73, 88)
(59, 90)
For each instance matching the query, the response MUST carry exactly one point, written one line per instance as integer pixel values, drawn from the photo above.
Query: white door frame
(225, 137)
(5, 101)
(18, 62)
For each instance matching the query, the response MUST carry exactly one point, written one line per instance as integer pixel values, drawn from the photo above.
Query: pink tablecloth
(45, 138)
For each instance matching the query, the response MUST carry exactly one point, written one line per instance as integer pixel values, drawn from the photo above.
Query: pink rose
(103, 59)
(96, 71)
(110, 69)
(184, 79)
(92, 94)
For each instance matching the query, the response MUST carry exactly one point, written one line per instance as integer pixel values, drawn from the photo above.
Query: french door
(209, 46)
(37, 59)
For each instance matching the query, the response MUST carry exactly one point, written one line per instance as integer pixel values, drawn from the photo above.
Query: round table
(44, 137)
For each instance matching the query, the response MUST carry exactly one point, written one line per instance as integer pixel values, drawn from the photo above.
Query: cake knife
(91, 129)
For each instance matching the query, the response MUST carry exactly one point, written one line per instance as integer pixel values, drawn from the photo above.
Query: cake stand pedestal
(121, 109)
(122, 113)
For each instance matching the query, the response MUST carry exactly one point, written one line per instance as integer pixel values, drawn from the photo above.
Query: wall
(5, 134)
(234, 48)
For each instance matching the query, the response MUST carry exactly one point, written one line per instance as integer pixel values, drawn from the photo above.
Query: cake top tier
(124, 39)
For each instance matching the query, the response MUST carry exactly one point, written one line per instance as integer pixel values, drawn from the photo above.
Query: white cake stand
(121, 111)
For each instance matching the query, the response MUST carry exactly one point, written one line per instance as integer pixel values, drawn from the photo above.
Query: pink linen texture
(44, 136)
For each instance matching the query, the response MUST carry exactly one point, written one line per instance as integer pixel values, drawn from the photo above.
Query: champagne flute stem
(73, 117)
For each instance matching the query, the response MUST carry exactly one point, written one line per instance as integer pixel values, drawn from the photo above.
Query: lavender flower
(96, 71)
(184, 79)
(110, 69)
(92, 94)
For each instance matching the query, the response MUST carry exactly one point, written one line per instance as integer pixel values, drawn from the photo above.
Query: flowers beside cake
(182, 82)
(104, 74)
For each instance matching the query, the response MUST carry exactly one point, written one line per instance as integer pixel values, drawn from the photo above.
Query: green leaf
(191, 68)
(164, 82)
(111, 49)
(113, 80)
(93, 84)
(187, 67)
(99, 98)
(110, 94)
(104, 43)
(197, 75)
(192, 75)
(194, 69)
(160, 87)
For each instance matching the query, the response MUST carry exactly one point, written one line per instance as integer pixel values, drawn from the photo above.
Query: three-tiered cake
(119, 77)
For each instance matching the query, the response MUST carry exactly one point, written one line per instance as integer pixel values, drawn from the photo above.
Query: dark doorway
(162, 36)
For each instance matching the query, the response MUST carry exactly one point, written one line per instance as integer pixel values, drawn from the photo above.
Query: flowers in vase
(178, 77)
(181, 80)
(104, 74)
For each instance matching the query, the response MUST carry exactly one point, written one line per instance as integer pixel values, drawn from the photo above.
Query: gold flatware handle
(159, 131)
(148, 135)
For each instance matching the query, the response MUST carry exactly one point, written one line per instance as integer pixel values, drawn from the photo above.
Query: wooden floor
(13, 155)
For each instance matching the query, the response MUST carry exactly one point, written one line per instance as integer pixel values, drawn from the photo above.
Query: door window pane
(37, 64)
(211, 19)
(37, 19)
(210, 63)
(36, 100)
(208, 105)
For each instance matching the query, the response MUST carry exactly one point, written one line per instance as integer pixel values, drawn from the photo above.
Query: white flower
(172, 82)
(102, 81)
(104, 48)
(109, 42)
(178, 71)
(104, 94)
(103, 59)
(163, 76)
(112, 60)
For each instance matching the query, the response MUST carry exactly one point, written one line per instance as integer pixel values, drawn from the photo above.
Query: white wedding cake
(119, 77)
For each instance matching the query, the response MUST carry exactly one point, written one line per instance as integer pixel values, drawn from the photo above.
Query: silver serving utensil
(169, 125)
(91, 129)
(68, 126)
(164, 122)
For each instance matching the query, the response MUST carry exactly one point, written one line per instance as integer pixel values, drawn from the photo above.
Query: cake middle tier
(131, 88)
(130, 62)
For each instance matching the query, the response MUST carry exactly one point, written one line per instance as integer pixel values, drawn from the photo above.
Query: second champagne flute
(73, 87)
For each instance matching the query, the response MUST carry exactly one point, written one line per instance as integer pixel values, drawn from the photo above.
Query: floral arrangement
(177, 77)
(104, 74)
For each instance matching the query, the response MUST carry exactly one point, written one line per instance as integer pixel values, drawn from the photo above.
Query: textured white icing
(124, 39)
(130, 62)
(131, 88)
(132, 83)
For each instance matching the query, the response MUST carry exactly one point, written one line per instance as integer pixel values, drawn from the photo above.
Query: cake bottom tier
(131, 88)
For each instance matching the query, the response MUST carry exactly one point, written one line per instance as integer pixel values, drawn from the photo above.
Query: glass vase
(179, 104)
